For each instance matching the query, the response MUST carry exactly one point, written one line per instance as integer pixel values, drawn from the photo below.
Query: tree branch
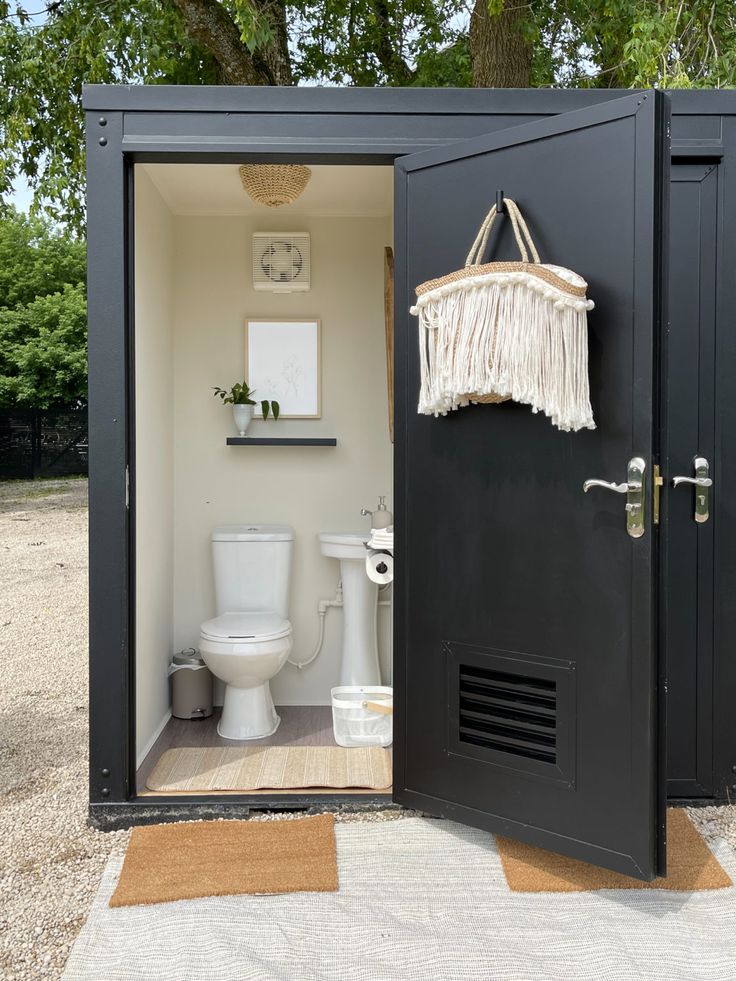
(389, 58)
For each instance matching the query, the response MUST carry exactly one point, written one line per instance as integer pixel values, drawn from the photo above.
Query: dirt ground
(50, 860)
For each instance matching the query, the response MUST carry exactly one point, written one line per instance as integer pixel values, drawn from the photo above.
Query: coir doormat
(166, 862)
(691, 866)
(244, 768)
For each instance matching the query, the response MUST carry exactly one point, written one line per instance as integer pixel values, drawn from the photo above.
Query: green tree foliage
(635, 43)
(35, 260)
(43, 65)
(381, 42)
(46, 58)
(43, 314)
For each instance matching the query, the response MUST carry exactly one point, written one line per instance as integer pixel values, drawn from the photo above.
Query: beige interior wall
(312, 488)
(154, 243)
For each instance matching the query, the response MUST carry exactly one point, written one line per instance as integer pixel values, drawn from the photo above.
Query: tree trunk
(274, 58)
(500, 53)
(208, 22)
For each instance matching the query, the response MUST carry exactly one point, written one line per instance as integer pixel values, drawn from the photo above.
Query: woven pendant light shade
(274, 184)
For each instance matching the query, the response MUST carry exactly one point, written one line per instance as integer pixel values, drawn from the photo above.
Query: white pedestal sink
(359, 665)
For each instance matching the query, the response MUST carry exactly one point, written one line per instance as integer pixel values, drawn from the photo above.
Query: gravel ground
(715, 822)
(50, 861)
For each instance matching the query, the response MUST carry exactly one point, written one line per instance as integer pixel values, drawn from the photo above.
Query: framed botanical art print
(282, 362)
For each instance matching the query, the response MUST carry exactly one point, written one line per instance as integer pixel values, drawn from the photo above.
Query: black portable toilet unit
(637, 192)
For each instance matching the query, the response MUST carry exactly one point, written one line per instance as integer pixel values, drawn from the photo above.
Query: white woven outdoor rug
(418, 899)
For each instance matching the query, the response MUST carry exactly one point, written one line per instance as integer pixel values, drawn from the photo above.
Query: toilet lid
(246, 626)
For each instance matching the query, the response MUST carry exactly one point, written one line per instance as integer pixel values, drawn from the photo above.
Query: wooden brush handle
(379, 707)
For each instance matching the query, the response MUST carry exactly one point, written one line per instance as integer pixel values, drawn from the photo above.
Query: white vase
(242, 414)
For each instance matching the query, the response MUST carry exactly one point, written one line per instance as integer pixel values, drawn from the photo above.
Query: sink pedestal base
(359, 664)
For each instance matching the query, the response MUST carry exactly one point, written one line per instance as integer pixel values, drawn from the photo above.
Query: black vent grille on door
(509, 713)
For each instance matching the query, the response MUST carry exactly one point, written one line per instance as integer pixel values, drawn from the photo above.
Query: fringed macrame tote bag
(506, 330)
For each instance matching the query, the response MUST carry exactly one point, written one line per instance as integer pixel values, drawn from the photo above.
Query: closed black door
(688, 622)
(526, 646)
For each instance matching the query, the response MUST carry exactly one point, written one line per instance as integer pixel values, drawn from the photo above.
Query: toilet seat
(245, 628)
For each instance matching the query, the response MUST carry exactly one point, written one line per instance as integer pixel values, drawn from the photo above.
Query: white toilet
(249, 640)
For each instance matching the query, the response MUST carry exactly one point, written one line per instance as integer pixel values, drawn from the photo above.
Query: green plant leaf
(265, 407)
(239, 394)
(276, 409)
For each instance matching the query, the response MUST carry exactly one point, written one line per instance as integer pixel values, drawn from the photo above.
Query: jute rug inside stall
(244, 768)
(166, 862)
(691, 866)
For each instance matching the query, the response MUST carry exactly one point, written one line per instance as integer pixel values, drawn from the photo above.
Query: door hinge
(127, 487)
(658, 480)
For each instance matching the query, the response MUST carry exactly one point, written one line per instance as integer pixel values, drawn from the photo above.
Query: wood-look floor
(301, 725)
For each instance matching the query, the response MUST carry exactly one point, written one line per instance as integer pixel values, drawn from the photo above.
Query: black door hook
(499, 202)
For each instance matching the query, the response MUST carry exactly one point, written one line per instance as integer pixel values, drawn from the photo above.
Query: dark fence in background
(43, 442)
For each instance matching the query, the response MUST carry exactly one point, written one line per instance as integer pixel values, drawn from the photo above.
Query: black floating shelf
(281, 441)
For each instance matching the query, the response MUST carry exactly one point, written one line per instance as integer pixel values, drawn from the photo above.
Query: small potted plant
(240, 396)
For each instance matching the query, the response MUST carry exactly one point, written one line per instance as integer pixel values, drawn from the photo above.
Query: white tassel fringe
(506, 334)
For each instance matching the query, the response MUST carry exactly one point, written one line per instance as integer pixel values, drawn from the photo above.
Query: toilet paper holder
(381, 568)
(378, 551)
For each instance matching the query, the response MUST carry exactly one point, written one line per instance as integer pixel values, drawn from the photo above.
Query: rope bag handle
(521, 234)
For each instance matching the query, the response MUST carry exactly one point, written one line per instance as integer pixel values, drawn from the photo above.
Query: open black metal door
(526, 644)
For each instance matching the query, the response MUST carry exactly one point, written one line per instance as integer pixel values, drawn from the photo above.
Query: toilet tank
(252, 566)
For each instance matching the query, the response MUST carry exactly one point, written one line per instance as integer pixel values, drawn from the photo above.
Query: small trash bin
(191, 686)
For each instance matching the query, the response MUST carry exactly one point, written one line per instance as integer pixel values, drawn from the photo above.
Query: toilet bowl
(246, 650)
(249, 640)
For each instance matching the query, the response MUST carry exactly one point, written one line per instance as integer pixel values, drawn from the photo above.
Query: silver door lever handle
(702, 481)
(634, 490)
(607, 484)
(696, 481)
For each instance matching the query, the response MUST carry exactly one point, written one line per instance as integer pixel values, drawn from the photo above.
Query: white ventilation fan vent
(281, 262)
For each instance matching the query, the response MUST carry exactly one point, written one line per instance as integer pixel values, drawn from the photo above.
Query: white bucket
(363, 716)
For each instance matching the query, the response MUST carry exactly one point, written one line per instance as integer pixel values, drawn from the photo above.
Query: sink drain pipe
(322, 607)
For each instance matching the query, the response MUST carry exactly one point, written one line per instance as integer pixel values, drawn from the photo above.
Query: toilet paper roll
(380, 567)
